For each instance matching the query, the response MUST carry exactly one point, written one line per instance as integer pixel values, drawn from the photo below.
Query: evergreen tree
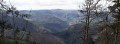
(116, 9)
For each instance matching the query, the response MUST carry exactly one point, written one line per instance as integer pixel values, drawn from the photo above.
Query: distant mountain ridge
(19, 23)
(65, 15)
(55, 20)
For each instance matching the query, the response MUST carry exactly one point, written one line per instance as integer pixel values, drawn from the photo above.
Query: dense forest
(93, 24)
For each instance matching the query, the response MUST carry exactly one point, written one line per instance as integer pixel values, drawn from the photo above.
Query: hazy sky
(46, 4)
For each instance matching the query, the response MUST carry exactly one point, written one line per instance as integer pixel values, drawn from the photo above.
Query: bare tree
(89, 6)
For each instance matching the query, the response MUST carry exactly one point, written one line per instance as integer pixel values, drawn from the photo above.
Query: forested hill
(55, 20)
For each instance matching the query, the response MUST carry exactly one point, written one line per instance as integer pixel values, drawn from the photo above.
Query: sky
(47, 4)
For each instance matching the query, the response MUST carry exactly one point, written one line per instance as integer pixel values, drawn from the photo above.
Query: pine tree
(116, 9)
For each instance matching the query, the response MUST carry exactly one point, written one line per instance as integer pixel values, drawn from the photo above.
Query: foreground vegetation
(107, 21)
